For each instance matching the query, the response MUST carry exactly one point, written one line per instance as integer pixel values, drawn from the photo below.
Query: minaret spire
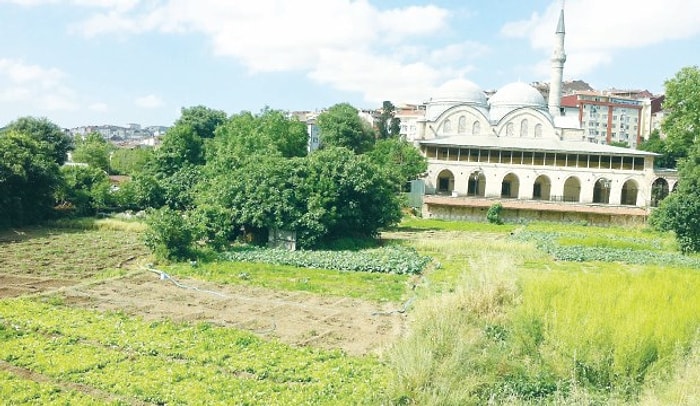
(558, 59)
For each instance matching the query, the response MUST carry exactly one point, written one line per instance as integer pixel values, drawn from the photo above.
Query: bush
(170, 234)
(494, 214)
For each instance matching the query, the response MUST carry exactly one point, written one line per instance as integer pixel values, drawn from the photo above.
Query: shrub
(170, 235)
(494, 214)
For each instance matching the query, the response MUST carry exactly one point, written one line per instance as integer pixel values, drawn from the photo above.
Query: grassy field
(512, 314)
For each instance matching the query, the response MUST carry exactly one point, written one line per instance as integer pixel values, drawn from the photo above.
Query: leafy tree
(93, 150)
(682, 102)
(29, 175)
(202, 120)
(51, 139)
(341, 126)
(399, 159)
(170, 234)
(656, 144)
(128, 161)
(181, 145)
(388, 124)
(246, 135)
(85, 190)
(621, 144)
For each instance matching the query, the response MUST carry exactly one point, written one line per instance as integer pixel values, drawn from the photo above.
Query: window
(538, 130)
(462, 125)
(447, 126)
(509, 129)
(476, 128)
(523, 128)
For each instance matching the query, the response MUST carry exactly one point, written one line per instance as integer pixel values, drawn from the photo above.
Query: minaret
(558, 59)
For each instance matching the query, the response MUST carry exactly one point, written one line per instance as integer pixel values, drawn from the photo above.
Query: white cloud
(150, 101)
(35, 85)
(597, 29)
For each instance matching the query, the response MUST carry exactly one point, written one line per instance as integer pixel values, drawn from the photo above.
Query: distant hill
(568, 87)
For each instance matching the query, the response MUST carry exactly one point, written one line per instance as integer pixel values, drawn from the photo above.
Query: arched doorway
(510, 186)
(601, 191)
(476, 185)
(629, 193)
(572, 190)
(445, 182)
(542, 188)
(659, 191)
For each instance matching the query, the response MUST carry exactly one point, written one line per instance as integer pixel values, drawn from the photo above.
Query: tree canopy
(51, 139)
(682, 103)
(341, 126)
(93, 150)
(202, 120)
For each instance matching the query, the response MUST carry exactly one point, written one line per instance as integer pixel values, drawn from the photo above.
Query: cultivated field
(528, 314)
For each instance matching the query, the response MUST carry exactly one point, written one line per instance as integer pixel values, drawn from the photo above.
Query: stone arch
(510, 186)
(462, 125)
(630, 190)
(476, 184)
(445, 182)
(524, 128)
(659, 191)
(572, 190)
(601, 191)
(542, 188)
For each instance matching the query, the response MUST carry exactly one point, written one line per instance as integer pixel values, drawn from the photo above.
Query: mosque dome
(460, 91)
(514, 96)
(518, 94)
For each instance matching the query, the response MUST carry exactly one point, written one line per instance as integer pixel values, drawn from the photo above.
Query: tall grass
(502, 323)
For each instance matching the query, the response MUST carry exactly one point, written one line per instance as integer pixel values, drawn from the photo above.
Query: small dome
(516, 95)
(460, 91)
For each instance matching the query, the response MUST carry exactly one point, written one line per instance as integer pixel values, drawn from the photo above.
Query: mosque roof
(533, 144)
(462, 91)
(518, 94)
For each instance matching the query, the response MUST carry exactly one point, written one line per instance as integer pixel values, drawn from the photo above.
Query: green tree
(85, 190)
(656, 144)
(399, 159)
(388, 125)
(51, 139)
(246, 135)
(202, 120)
(129, 161)
(341, 126)
(682, 103)
(181, 146)
(93, 150)
(680, 211)
(29, 175)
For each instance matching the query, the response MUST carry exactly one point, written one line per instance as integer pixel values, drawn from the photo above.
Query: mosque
(520, 150)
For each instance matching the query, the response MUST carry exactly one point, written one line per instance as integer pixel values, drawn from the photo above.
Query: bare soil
(355, 326)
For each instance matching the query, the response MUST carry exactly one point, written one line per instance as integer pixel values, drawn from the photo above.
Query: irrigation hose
(165, 276)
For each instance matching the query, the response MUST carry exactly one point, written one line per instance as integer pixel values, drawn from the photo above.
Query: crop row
(391, 259)
(174, 363)
(635, 253)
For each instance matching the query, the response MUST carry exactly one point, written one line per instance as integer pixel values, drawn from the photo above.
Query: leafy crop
(177, 363)
(392, 259)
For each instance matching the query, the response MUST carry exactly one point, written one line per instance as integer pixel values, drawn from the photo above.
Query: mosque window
(538, 130)
(509, 129)
(476, 128)
(523, 128)
(447, 126)
(462, 125)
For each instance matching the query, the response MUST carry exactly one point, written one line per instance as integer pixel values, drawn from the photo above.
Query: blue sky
(86, 62)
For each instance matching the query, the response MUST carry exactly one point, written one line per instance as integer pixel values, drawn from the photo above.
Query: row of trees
(216, 177)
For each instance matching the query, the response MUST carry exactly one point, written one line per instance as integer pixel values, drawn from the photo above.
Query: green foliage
(682, 102)
(85, 190)
(392, 259)
(656, 144)
(401, 160)
(493, 215)
(202, 120)
(29, 175)
(170, 235)
(388, 126)
(129, 161)
(126, 357)
(340, 126)
(51, 140)
(93, 150)
(181, 146)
